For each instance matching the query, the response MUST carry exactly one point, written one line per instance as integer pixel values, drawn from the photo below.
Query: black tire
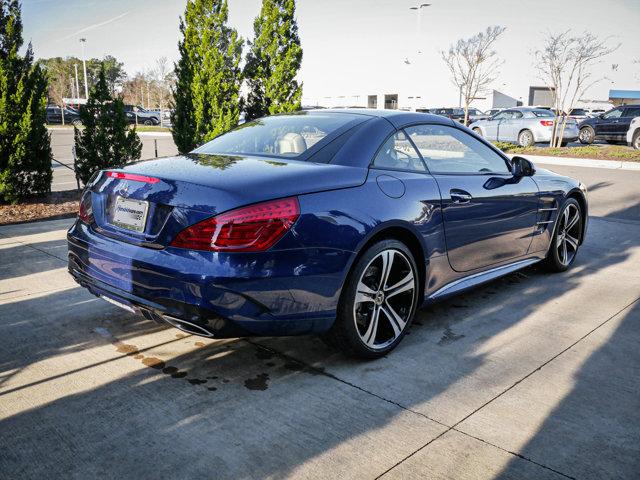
(148, 121)
(525, 138)
(478, 131)
(354, 319)
(635, 143)
(554, 261)
(564, 144)
(587, 135)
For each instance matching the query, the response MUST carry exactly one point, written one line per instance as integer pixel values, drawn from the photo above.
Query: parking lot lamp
(84, 68)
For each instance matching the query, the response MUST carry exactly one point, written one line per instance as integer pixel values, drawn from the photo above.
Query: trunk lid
(186, 189)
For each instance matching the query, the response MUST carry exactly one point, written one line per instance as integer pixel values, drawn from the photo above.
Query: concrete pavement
(531, 376)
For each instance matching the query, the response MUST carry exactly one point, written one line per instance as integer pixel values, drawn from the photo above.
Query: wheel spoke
(364, 293)
(565, 214)
(564, 252)
(387, 262)
(402, 286)
(572, 241)
(559, 239)
(394, 319)
(572, 222)
(369, 336)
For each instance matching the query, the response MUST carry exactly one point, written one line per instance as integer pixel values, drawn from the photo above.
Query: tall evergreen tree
(273, 61)
(208, 75)
(25, 147)
(106, 140)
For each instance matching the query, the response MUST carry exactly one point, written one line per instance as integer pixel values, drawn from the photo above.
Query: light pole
(419, 8)
(75, 66)
(84, 68)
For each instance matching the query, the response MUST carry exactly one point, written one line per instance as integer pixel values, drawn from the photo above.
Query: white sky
(355, 47)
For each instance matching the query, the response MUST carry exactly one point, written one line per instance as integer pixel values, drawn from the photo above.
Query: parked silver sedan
(524, 126)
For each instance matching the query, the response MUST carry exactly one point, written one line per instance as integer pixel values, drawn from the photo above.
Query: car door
(628, 114)
(489, 215)
(510, 127)
(494, 123)
(607, 124)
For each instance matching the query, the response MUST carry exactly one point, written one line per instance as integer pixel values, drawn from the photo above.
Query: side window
(450, 150)
(517, 114)
(398, 153)
(632, 112)
(617, 113)
(503, 115)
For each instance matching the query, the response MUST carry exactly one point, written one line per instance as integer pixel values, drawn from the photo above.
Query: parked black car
(144, 117)
(54, 115)
(611, 126)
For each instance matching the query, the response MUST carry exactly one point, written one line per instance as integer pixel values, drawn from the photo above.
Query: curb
(582, 162)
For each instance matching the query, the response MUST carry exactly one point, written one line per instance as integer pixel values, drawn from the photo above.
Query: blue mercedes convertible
(341, 223)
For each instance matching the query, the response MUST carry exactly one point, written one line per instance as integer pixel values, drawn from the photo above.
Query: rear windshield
(543, 113)
(578, 111)
(280, 136)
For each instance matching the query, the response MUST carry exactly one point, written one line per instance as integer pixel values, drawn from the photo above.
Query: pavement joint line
(513, 453)
(453, 427)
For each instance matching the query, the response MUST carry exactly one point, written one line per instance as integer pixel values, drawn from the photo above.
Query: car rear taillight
(132, 176)
(85, 212)
(249, 229)
(546, 123)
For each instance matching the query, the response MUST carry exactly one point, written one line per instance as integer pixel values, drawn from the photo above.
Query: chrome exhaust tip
(186, 326)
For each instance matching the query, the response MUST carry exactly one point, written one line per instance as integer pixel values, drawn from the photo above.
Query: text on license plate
(130, 214)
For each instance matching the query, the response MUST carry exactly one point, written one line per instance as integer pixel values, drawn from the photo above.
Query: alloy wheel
(585, 135)
(384, 299)
(568, 235)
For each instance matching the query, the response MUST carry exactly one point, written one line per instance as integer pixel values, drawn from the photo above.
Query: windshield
(279, 136)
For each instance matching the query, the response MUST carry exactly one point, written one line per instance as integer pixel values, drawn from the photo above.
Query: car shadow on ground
(117, 396)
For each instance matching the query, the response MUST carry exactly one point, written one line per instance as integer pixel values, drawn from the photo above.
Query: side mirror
(521, 167)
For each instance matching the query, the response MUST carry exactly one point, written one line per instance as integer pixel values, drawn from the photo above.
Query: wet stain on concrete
(138, 357)
(169, 370)
(258, 383)
(154, 362)
(449, 337)
(179, 375)
(212, 389)
(199, 344)
(196, 381)
(212, 377)
(180, 335)
(126, 348)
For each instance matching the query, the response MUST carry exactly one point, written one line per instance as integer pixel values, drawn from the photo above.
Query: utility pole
(84, 68)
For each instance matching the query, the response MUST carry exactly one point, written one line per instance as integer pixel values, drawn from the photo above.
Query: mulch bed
(43, 207)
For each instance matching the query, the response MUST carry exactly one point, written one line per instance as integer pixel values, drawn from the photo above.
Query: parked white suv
(633, 134)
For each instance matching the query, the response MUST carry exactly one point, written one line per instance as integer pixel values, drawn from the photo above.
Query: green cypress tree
(207, 91)
(106, 140)
(273, 61)
(25, 147)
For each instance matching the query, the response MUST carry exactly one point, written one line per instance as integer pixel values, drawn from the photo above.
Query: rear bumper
(284, 292)
(543, 134)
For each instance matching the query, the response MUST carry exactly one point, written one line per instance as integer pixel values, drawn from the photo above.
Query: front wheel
(586, 135)
(378, 301)
(636, 140)
(478, 131)
(148, 122)
(566, 237)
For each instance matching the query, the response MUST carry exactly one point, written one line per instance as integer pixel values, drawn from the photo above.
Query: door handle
(460, 196)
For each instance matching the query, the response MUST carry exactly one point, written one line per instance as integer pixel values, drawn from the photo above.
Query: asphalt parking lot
(533, 376)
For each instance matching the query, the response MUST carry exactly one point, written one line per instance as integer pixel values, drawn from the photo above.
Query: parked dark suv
(611, 126)
(54, 115)
(145, 117)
